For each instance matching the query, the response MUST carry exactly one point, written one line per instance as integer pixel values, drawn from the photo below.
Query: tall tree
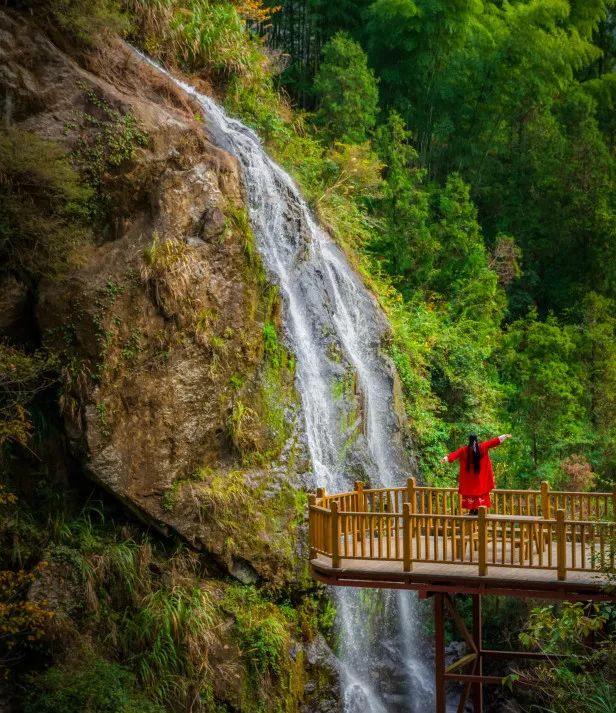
(347, 90)
(545, 389)
(405, 245)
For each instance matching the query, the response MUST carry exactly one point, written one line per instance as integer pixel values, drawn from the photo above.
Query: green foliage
(405, 247)
(169, 638)
(596, 345)
(300, 29)
(44, 207)
(564, 631)
(212, 35)
(447, 326)
(260, 629)
(92, 685)
(347, 91)
(270, 341)
(201, 35)
(106, 140)
(545, 391)
(583, 679)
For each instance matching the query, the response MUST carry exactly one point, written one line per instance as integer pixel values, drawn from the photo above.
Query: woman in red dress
(476, 474)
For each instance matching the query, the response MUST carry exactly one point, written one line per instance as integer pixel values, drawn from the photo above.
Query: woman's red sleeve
(455, 455)
(492, 443)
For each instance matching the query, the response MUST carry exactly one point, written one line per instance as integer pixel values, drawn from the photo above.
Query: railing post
(561, 549)
(545, 500)
(321, 493)
(335, 535)
(407, 538)
(360, 506)
(312, 533)
(411, 485)
(613, 502)
(439, 652)
(483, 545)
(359, 490)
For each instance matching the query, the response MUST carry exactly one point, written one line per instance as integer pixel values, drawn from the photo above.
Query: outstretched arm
(453, 456)
(493, 442)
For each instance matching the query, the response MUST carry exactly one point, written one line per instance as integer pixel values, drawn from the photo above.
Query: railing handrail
(533, 499)
(523, 519)
(580, 492)
(470, 518)
(454, 488)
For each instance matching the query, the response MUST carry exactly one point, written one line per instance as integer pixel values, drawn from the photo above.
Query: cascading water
(334, 328)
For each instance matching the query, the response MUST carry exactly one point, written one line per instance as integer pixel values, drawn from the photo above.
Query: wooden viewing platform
(532, 543)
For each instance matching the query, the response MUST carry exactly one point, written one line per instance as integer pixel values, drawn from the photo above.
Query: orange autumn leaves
(254, 10)
(23, 622)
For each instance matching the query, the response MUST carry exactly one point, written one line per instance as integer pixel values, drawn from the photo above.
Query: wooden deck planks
(516, 572)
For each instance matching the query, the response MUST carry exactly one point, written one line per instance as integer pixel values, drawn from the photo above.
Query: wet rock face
(159, 320)
(322, 689)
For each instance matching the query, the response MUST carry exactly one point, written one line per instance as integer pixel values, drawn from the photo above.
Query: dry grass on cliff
(166, 619)
(202, 36)
(168, 270)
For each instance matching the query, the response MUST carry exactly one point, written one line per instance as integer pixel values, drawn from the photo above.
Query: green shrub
(347, 91)
(95, 687)
(168, 639)
(44, 207)
(211, 35)
(577, 677)
(260, 629)
(270, 340)
(200, 35)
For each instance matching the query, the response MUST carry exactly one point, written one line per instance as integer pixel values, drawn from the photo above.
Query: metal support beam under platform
(468, 670)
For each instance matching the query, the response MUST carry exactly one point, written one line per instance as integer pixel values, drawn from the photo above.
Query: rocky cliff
(164, 321)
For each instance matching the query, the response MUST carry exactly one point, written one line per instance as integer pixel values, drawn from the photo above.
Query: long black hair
(473, 453)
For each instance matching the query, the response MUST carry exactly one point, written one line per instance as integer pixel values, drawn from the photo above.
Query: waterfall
(334, 327)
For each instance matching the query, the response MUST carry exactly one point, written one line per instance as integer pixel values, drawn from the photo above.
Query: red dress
(475, 487)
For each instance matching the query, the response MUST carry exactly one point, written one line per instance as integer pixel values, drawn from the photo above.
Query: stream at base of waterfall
(334, 327)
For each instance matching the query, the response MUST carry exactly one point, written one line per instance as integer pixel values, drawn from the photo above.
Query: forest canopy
(496, 215)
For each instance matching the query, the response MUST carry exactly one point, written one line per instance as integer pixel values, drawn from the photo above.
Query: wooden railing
(537, 529)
